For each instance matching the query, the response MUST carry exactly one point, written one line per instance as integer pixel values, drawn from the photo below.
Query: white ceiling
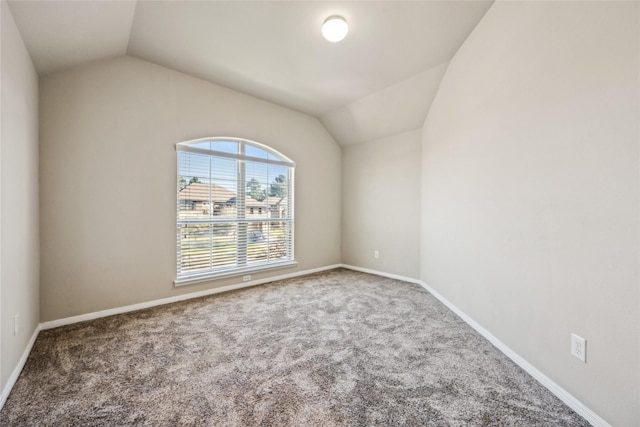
(390, 111)
(62, 34)
(271, 49)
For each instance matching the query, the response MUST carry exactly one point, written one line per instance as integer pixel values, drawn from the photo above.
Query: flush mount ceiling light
(335, 28)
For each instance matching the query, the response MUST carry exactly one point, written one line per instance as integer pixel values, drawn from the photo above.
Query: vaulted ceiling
(379, 81)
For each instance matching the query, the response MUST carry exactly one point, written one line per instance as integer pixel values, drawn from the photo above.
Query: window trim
(187, 146)
(236, 156)
(199, 278)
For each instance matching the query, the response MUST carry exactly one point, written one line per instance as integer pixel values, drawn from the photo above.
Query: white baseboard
(98, 314)
(128, 308)
(558, 391)
(554, 388)
(381, 273)
(16, 371)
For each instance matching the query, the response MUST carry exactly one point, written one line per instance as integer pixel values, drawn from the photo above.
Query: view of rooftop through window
(234, 207)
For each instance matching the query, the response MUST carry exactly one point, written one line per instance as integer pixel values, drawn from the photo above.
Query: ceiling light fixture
(335, 28)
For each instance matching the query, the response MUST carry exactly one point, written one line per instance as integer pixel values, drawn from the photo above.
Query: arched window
(235, 208)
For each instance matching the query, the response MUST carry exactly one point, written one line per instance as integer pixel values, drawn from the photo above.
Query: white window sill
(199, 278)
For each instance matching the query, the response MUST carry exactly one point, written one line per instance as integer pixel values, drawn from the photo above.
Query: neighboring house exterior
(271, 207)
(198, 198)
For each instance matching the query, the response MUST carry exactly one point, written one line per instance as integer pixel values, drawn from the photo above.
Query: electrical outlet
(16, 324)
(246, 278)
(376, 254)
(579, 347)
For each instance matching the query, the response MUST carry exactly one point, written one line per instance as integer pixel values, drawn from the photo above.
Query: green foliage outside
(197, 239)
(254, 189)
(279, 187)
(195, 247)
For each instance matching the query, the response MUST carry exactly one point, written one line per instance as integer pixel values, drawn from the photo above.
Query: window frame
(241, 220)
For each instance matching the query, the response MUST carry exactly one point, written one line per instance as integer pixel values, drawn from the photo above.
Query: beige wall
(530, 191)
(528, 200)
(19, 257)
(108, 173)
(394, 110)
(381, 204)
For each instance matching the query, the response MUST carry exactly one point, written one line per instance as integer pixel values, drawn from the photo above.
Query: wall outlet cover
(579, 347)
(16, 324)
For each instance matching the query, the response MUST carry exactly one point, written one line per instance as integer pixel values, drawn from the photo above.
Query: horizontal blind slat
(227, 220)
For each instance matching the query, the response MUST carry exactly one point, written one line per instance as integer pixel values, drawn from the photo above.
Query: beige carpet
(329, 349)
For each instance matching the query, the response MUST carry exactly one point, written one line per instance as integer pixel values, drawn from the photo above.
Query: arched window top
(235, 201)
(236, 148)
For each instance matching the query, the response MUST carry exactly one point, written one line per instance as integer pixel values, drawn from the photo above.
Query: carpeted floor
(330, 349)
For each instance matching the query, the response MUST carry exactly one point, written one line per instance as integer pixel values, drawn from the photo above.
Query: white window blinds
(234, 208)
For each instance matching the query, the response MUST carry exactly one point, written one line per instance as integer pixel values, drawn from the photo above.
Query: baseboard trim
(381, 273)
(554, 388)
(16, 371)
(134, 307)
(547, 382)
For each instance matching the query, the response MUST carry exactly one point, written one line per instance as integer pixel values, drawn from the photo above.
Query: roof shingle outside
(199, 192)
